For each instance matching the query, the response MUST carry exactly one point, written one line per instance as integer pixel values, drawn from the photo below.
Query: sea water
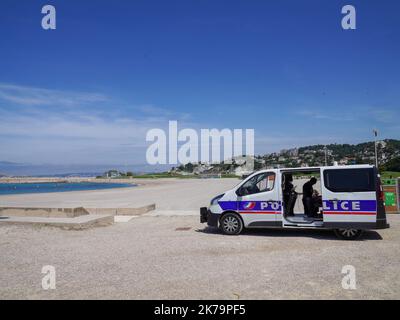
(18, 188)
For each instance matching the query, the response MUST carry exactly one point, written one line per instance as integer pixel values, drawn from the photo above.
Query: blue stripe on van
(250, 205)
(228, 205)
(350, 205)
(331, 206)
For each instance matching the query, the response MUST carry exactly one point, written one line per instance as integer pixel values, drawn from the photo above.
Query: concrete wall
(43, 212)
(123, 211)
(72, 212)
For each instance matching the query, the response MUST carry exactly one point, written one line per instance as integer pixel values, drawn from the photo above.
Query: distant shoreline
(56, 187)
(62, 180)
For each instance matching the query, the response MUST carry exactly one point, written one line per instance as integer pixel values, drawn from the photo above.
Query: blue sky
(88, 91)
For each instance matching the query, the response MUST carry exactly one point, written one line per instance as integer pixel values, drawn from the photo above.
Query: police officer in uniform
(308, 197)
(289, 195)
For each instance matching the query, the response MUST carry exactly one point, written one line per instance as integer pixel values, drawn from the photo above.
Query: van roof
(354, 166)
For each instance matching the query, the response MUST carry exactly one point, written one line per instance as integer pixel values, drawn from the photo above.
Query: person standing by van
(307, 196)
(289, 196)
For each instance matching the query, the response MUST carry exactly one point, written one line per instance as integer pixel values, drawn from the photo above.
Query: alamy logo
(49, 280)
(349, 280)
(349, 20)
(210, 146)
(49, 20)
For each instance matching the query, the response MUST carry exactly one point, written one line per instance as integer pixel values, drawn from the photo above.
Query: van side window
(349, 180)
(260, 183)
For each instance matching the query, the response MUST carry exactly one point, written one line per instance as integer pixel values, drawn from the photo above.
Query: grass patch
(390, 175)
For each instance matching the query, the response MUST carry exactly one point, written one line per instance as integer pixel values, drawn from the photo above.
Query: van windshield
(349, 180)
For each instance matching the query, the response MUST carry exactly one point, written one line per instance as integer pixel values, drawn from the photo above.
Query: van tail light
(380, 190)
(380, 195)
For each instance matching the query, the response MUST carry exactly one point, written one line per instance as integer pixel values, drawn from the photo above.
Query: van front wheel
(231, 224)
(348, 234)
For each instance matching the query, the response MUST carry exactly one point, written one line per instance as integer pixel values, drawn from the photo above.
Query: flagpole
(376, 148)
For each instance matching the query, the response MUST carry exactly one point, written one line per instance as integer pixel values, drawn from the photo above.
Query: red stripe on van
(351, 212)
(258, 212)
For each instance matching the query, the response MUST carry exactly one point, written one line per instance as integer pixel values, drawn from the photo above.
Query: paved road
(148, 258)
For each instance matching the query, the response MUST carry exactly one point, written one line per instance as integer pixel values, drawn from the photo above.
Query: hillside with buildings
(308, 156)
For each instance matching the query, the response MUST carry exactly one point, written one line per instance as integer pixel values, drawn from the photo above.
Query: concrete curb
(72, 212)
(43, 212)
(77, 223)
(123, 211)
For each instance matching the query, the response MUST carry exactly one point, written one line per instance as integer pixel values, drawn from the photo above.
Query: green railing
(389, 182)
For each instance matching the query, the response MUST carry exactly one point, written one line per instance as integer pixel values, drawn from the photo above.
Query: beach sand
(167, 194)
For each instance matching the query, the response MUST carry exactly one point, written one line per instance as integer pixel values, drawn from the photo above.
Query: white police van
(349, 200)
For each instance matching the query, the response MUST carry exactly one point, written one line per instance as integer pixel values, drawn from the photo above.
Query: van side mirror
(240, 192)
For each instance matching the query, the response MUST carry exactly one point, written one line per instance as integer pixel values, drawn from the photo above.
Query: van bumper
(382, 224)
(207, 216)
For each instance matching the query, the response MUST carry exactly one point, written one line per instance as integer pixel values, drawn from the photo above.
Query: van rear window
(349, 180)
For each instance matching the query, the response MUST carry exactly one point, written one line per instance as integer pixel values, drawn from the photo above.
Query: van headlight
(215, 199)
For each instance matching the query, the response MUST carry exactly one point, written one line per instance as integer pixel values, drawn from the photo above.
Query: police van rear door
(349, 197)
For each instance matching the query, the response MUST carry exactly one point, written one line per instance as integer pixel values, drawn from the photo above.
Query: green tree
(189, 167)
(392, 165)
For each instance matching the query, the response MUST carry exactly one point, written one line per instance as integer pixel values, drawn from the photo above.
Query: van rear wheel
(348, 234)
(231, 224)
